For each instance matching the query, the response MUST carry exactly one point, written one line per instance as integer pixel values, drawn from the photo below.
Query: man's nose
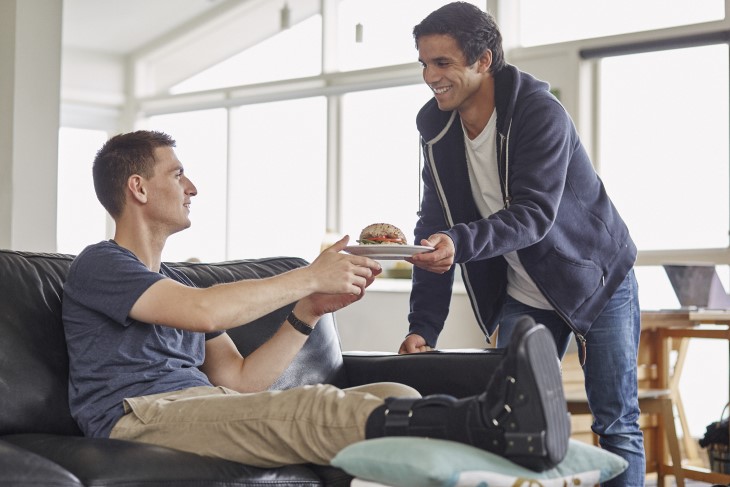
(429, 75)
(191, 189)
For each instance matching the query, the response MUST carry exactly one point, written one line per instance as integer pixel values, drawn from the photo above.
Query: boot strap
(399, 411)
(398, 415)
(500, 413)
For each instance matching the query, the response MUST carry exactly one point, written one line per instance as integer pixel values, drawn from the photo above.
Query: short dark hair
(119, 158)
(473, 29)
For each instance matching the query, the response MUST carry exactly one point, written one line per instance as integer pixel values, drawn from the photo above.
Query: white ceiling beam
(209, 39)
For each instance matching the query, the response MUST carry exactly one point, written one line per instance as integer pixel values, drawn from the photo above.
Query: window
(201, 147)
(278, 179)
(543, 22)
(76, 197)
(380, 152)
(664, 145)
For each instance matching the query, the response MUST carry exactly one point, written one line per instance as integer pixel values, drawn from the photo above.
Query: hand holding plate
(441, 259)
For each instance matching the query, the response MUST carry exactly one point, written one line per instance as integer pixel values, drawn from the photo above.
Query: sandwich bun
(382, 234)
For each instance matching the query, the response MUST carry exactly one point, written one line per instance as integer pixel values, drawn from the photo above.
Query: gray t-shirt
(112, 356)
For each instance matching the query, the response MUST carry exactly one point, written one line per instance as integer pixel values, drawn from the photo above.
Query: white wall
(30, 60)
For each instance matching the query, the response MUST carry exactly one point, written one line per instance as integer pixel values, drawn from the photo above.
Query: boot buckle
(506, 411)
(499, 416)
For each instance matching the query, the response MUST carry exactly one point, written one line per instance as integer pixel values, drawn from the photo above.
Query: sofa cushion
(33, 358)
(21, 468)
(107, 462)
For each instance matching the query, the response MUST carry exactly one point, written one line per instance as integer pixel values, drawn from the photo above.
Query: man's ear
(485, 61)
(137, 188)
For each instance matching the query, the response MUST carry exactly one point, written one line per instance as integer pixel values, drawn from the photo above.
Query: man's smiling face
(454, 83)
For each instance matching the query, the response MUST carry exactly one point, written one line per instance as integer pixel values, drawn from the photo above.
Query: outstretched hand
(340, 279)
(335, 272)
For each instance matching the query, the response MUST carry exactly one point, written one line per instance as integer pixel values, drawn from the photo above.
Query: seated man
(150, 360)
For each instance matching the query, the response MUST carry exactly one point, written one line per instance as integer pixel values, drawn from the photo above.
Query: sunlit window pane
(544, 22)
(201, 147)
(292, 53)
(387, 31)
(81, 220)
(278, 179)
(380, 150)
(664, 145)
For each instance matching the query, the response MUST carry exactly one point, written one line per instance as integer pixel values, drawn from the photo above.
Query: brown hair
(119, 158)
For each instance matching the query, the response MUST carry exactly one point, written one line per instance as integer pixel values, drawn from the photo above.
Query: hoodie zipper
(504, 179)
(429, 159)
(504, 156)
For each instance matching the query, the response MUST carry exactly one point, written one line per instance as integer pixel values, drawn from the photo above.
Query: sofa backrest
(33, 356)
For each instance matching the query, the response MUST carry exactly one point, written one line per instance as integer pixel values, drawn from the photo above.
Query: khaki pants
(308, 424)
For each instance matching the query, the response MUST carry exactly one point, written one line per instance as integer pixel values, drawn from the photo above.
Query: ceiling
(121, 27)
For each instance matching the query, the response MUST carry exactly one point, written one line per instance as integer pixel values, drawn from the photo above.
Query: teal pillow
(423, 462)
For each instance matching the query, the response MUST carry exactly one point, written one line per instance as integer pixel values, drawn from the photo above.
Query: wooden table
(670, 330)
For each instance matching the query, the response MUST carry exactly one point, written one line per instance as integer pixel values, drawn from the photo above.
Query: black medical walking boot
(525, 399)
(521, 416)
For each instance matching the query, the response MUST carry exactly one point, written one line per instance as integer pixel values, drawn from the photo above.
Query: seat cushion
(21, 468)
(107, 462)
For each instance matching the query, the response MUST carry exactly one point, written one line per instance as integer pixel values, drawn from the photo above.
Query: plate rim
(381, 250)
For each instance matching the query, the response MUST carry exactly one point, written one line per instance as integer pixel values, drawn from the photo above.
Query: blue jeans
(610, 367)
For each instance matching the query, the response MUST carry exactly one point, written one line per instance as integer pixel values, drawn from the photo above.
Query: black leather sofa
(40, 444)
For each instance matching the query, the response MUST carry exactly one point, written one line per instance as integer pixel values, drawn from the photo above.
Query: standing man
(150, 361)
(511, 195)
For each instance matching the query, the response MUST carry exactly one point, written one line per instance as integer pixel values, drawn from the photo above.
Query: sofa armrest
(460, 373)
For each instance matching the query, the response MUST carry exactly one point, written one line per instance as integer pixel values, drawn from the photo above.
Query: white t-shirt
(481, 156)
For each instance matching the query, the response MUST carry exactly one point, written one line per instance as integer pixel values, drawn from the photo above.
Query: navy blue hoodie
(556, 215)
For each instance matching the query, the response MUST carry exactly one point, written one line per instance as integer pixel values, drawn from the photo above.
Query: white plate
(387, 252)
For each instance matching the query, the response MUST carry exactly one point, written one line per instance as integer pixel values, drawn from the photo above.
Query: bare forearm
(222, 306)
(257, 372)
(230, 305)
(225, 306)
(266, 364)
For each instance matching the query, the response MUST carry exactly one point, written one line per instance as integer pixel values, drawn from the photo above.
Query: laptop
(698, 286)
